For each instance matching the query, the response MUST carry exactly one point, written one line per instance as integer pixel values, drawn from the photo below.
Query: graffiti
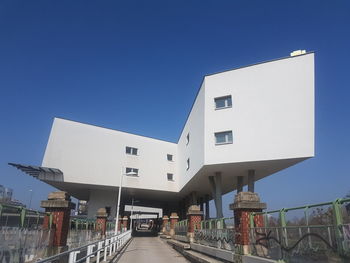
(268, 237)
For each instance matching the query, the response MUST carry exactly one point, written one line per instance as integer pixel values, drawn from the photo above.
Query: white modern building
(245, 124)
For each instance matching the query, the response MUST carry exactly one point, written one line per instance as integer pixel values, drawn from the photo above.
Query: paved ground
(150, 250)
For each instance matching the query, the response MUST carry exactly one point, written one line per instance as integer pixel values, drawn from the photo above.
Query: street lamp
(119, 195)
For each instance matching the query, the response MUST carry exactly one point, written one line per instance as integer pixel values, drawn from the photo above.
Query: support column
(120, 223)
(165, 222)
(215, 183)
(59, 205)
(244, 204)
(251, 180)
(194, 216)
(239, 184)
(207, 215)
(101, 221)
(193, 198)
(201, 203)
(173, 220)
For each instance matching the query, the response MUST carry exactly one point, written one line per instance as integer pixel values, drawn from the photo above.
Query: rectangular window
(169, 157)
(223, 102)
(188, 164)
(170, 177)
(131, 170)
(223, 137)
(130, 150)
(187, 138)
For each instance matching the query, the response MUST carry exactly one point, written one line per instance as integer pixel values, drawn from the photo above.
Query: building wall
(94, 155)
(194, 150)
(272, 114)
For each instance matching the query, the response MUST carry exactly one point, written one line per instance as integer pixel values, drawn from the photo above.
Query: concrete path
(150, 250)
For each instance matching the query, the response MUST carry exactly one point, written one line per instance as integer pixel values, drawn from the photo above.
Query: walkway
(150, 249)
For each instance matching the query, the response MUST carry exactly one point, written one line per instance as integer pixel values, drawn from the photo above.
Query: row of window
(135, 172)
(133, 151)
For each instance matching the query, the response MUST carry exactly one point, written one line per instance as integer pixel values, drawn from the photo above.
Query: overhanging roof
(39, 172)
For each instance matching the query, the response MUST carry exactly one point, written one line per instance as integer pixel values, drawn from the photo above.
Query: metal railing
(217, 233)
(319, 232)
(19, 216)
(181, 228)
(99, 250)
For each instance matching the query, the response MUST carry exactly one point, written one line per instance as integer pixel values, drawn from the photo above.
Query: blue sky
(137, 65)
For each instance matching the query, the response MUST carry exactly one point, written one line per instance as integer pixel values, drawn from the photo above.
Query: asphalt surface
(150, 250)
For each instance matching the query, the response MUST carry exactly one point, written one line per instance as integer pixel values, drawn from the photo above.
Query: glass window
(132, 170)
(130, 150)
(223, 137)
(169, 157)
(223, 102)
(187, 138)
(188, 164)
(170, 177)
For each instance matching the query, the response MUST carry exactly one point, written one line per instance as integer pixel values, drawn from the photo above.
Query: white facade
(271, 119)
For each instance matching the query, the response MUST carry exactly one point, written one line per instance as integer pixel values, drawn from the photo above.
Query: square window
(188, 164)
(130, 150)
(170, 157)
(223, 137)
(223, 102)
(170, 177)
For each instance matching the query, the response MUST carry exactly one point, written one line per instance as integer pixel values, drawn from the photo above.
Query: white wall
(272, 114)
(195, 149)
(94, 155)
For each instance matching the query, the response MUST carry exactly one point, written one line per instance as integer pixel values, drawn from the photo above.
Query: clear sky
(137, 65)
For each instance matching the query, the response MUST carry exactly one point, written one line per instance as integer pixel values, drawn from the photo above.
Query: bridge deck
(150, 249)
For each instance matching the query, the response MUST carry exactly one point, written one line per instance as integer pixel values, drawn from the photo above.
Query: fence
(217, 233)
(319, 232)
(99, 250)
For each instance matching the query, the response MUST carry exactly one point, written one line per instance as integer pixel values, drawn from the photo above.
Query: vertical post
(218, 195)
(101, 221)
(194, 216)
(23, 216)
(59, 207)
(338, 225)
(173, 220)
(201, 203)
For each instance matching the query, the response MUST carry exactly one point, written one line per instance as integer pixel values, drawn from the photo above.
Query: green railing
(217, 223)
(181, 227)
(318, 231)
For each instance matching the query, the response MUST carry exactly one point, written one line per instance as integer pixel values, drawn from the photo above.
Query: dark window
(223, 137)
(132, 170)
(187, 138)
(223, 102)
(188, 164)
(170, 177)
(130, 150)
(169, 157)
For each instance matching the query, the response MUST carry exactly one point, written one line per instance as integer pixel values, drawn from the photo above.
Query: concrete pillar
(207, 216)
(194, 216)
(251, 180)
(193, 198)
(239, 184)
(125, 223)
(165, 222)
(101, 221)
(173, 220)
(244, 204)
(215, 183)
(59, 205)
(201, 203)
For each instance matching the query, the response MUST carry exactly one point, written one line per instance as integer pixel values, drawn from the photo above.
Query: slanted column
(207, 207)
(194, 216)
(125, 223)
(101, 221)
(216, 188)
(165, 222)
(173, 220)
(244, 204)
(59, 205)
(251, 180)
(239, 184)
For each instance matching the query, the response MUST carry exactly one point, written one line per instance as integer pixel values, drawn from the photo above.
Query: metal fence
(181, 228)
(217, 233)
(319, 233)
(23, 245)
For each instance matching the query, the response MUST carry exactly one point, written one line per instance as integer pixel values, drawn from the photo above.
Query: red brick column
(125, 223)
(245, 203)
(173, 220)
(165, 221)
(194, 216)
(101, 221)
(59, 205)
